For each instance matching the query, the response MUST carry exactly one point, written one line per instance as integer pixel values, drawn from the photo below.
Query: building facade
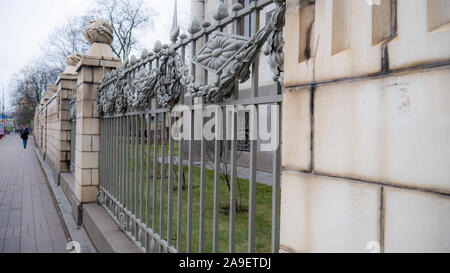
(366, 126)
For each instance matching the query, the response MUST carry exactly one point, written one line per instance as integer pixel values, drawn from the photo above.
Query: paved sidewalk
(29, 221)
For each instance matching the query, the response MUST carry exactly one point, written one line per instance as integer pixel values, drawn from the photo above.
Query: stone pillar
(90, 69)
(198, 9)
(66, 83)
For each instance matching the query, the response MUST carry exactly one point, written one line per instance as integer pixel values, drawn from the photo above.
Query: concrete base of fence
(67, 184)
(104, 232)
(54, 171)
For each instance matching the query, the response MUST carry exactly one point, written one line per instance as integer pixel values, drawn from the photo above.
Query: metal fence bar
(276, 188)
(232, 231)
(180, 194)
(105, 174)
(163, 176)
(116, 157)
(147, 207)
(111, 156)
(136, 166)
(202, 168)
(104, 146)
(101, 153)
(180, 171)
(253, 146)
(141, 201)
(202, 191)
(116, 154)
(116, 160)
(170, 186)
(122, 161)
(115, 150)
(157, 62)
(190, 185)
(118, 129)
(127, 154)
(218, 147)
(108, 179)
(133, 212)
(102, 133)
(190, 158)
(202, 197)
(155, 170)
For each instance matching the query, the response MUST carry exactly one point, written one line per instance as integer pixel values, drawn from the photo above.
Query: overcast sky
(26, 24)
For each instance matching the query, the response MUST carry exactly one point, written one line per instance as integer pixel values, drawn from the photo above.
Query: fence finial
(175, 31)
(99, 31)
(157, 47)
(221, 11)
(73, 59)
(194, 27)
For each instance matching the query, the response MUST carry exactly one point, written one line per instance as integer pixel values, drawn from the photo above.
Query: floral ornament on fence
(274, 46)
(218, 51)
(238, 68)
(172, 76)
(118, 93)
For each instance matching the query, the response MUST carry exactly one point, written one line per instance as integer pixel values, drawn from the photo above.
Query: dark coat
(24, 134)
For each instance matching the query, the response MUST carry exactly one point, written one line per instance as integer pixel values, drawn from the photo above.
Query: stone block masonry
(366, 127)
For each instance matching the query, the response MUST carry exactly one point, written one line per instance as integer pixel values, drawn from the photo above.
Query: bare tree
(65, 40)
(28, 85)
(127, 18)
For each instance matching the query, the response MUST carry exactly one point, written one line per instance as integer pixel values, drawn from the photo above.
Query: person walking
(24, 135)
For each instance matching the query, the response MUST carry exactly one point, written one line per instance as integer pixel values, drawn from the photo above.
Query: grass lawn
(263, 208)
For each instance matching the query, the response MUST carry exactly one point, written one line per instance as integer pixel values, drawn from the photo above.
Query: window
(341, 25)
(307, 17)
(244, 145)
(381, 21)
(269, 16)
(246, 22)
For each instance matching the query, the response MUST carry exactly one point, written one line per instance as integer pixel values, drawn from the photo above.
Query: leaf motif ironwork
(238, 69)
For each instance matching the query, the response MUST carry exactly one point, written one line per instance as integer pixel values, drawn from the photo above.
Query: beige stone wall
(52, 125)
(52, 152)
(66, 84)
(366, 117)
(37, 126)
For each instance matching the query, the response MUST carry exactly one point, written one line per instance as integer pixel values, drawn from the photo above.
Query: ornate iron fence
(143, 168)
